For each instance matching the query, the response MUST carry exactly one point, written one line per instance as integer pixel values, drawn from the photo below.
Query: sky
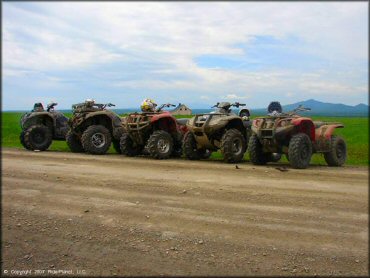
(197, 53)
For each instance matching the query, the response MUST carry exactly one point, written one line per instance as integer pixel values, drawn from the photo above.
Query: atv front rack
(204, 120)
(137, 122)
(136, 125)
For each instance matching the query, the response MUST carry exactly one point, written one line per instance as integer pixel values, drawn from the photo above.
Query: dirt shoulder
(107, 215)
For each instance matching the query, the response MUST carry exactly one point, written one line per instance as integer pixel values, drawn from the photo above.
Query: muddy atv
(295, 136)
(40, 127)
(158, 134)
(93, 128)
(221, 129)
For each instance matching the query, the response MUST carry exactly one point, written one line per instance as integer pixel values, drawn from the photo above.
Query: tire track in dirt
(233, 213)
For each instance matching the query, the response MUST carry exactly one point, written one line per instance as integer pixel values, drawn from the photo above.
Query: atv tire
(160, 144)
(275, 106)
(338, 152)
(96, 139)
(256, 154)
(300, 151)
(128, 147)
(233, 145)
(21, 138)
(73, 142)
(38, 137)
(190, 148)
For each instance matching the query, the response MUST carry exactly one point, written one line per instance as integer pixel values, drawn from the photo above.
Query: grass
(356, 134)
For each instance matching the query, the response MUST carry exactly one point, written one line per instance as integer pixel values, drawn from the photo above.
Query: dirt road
(107, 215)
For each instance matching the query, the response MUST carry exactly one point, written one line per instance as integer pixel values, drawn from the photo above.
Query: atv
(157, 133)
(40, 127)
(221, 129)
(93, 128)
(295, 136)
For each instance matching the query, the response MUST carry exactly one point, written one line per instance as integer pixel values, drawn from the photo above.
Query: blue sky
(196, 53)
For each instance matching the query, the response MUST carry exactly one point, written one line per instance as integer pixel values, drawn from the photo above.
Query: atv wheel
(21, 138)
(338, 152)
(190, 148)
(160, 144)
(128, 147)
(116, 146)
(96, 139)
(38, 137)
(256, 154)
(73, 142)
(300, 151)
(275, 157)
(275, 106)
(233, 145)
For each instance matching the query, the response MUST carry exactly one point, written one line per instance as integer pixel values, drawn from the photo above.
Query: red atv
(296, 136)
(157, 133)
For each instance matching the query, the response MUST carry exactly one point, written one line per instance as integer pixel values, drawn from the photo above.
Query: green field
(356, 134)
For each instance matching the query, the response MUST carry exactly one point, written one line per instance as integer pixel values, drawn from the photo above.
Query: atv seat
(182, 121)
(318, 124)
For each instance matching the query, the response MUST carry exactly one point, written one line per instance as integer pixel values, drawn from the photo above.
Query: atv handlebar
(102, 106)
(301, 108)
(165, 105)
(50, 106)
(98, 105)
(235, 104)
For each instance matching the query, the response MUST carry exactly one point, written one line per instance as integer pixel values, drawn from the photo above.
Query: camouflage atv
(221, 129)
(93, 128)
(157, 133)
(297, 137)
(40, 127)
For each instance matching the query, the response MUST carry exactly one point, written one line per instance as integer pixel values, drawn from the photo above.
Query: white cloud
(153, 45)
(235, 97)
(332, 88)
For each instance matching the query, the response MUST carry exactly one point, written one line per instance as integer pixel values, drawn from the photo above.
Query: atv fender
(111, 121)
(238, 124)
(305, 125)
(326, 131)
(40, 117)
(165, 121)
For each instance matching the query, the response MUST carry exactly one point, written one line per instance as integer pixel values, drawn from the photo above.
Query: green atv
(295, 136)
(40, 127)
(93, 128)
(221, 129)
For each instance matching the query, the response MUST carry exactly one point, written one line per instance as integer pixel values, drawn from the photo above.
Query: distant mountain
(318, 108)
(324, 109)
